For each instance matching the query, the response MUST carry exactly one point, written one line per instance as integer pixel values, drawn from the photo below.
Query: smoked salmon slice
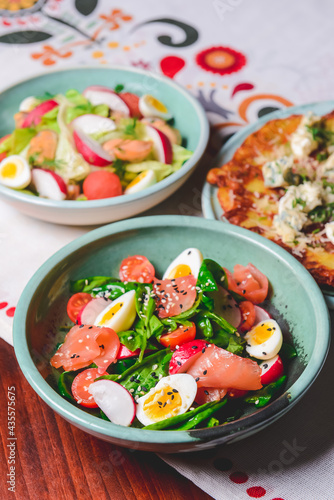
(222, 369)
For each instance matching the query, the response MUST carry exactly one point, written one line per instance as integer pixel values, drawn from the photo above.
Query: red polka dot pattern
(3, 305)
(239, 477)
(10, 312)
(256, 492)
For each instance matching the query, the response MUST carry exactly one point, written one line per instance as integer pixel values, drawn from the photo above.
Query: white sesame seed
(105, 361)
(80, 341)
(86, 282)
(79, 401)
(132, 390)
(130, 338)
(90, 397)
(87, 347)
(87, 337)
(154, 367)
(119, 376)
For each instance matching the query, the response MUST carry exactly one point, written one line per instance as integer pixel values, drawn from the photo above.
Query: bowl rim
(130, 435)
(129, 198)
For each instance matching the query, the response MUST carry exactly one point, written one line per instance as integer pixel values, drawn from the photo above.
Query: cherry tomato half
(81, 385)
(179, 336)
(76, 303)
(136, 268)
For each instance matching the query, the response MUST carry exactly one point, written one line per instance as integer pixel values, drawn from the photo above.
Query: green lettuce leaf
(17, 141)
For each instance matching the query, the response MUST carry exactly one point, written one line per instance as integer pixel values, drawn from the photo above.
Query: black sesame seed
(181, 291)
(137, 381)
(76, 322)
(164, 404)
(189, 252)
(169, 393)
(229, 297)
(101, 346)
(238, 283)
(143, 388)
(132, 378)
(269, 329)
(186, 329)
(248, 345)
(158, 284)
(262, 324)
(229, 306)
(77, 356)
(264, 353)
(90, 327)
(224, 308)
(194, 347)
(265, 366)
(205, 372)
(73, 356)
(81, 326)
(105, 298)
(181, 306)
(196, 379)
(175, 390)
(203, 350)
(173, 280)
(179, 363)
(159, 403)
(172, 397)
(185, 293)
(206, 392)
(244, 291)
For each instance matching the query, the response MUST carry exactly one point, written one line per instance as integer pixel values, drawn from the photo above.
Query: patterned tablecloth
(242, 60)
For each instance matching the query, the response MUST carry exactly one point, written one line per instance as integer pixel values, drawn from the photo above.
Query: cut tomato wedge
(248, 314)
(137, 268)
(84, 345)
(249, 282)
(81, 384)
(76, 303)
(179, 336)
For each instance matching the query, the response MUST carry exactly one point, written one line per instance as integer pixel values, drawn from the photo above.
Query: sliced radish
(272, 369)
(226, 306)
(97, 94)
(261, 315)
(88, 315)
(162, 147)
(93, 153)
(124, 352)
(185, 356)
(115, 401)
(35, 115)
(93, 124)
(48, 184)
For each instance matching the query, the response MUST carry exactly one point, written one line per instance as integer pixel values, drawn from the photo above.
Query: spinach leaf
(123, 364)
(143, 375)
(178, 419)
(145, 306)
(113, 290)
(65, 383)
(287, 352)
(229, 341)
(118, 88)
(225, 325)
(204, 325)
(263, 396)
(203, 415)
(88, 284)
(130, 339)
(211, 274)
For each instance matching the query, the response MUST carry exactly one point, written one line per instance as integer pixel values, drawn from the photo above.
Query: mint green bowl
(189, 116)
(296, 301)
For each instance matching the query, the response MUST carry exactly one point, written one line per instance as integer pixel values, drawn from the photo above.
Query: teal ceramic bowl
(210, 204)
(190, 120)
(296, 302)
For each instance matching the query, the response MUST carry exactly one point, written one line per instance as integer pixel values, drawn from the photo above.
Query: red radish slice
(35, 116)
(261, 315)
(124, 352)
(88, 315)
(185, 356)
(93, 124)
(97, 94)
(229, 308)
(272, 369)
(162, 147)
(48, 184)
(93, 153)
(115, 401)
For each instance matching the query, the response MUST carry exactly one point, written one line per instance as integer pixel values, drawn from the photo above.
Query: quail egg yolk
(157, 104)
(9, 170)
(111, 313)
(163, 403)
(179, 271)
(261, 333)
(139, 178)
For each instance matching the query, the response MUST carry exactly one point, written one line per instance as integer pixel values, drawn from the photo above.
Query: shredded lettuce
(79, 105)
(69, 163)
(180, 155)
(17, 141)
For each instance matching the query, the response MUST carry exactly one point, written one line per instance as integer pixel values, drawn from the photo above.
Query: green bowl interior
(295, 301)
(185, 114)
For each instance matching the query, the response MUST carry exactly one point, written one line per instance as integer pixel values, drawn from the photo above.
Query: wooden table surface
(57, 461)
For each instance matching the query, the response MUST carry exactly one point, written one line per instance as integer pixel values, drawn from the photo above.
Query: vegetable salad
(193, 349)
(96, 144)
